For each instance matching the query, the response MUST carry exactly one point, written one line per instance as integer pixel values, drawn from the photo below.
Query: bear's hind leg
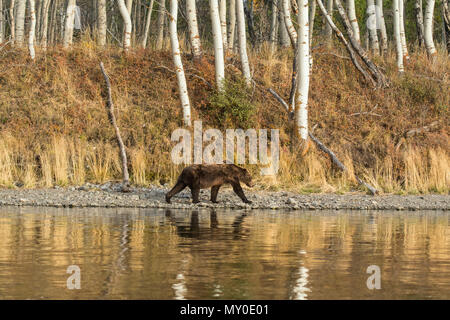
(214, 192)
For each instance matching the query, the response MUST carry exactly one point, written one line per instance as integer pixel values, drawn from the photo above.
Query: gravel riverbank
(108, 195)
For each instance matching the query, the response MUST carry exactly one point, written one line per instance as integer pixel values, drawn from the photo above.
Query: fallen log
(323, 148)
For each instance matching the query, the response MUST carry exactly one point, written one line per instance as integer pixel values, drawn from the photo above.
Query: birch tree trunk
(382, 25)
(402, 29)
(161, 15)
(20, 21)
(284, 37)
(428, 28)
(288, 22)
(372, 27)
(127, 24)
(31, 34)
(12, 21)
(243, 42)
(218, 43)
(194, 35)
(328, 30)
(223, 22)
(312, 17)
(2, 35)
(301, 109)
(446, 21)
(353, 20)
(232, 26)
(147, 24)
(419, 22)
(176, 54)
(273, 25)
(397, 38)
(68, 29)
(102, 23)
(44, 24)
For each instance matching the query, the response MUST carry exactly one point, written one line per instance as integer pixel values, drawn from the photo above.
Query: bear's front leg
(238, 190)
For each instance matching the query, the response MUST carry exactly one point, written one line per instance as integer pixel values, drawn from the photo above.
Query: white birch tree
(44, 24)
(372, 27)
(31, 34)
(147, 24)
(328, 30)
(101, 23)
(176, 54)
(12, 21)
(273, 25)
(127, 24)
(218, 44)
(401, 11)
(20, 22)
(232, 26)
(70, 17)
(2, 35)
(428, 28)
(194, 36)
(223, 22)
(301, 108)
(397, 38)
(288, 22)
(382, 25)
(243, 42)
(161, 15)
(353, 20)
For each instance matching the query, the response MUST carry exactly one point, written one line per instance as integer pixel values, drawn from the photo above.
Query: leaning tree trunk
(446, 22)
(372, 27)
(382, 26)
(232, 26)
(354, 22)
(147, 24)
(176, 54)
(401, 10)
(301, 108)
(70, 17)
(102, 22)
(218, 43)
(31, 34)
(161, 15)
(398, 41)
(194, 36)
(419, 22)
(127, 22)
(428, 29)
(112, 119)
(288, 22)
(223, 22)
(20, 22)
(243, 42)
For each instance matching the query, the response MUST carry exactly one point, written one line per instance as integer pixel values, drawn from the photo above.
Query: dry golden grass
(54, 128)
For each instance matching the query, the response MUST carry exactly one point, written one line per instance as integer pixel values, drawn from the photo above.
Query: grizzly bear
(202, 176)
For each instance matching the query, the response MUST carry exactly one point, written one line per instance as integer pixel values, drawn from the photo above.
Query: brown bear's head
(245, 177)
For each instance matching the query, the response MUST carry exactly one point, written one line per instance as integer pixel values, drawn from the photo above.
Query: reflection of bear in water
(202, 176)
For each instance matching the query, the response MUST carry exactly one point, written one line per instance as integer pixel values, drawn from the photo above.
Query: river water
(174, 254)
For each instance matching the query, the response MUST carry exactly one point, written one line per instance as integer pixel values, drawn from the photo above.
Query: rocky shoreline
(109, 195)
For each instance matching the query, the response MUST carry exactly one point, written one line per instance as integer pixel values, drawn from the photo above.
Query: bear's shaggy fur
(203, 176)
